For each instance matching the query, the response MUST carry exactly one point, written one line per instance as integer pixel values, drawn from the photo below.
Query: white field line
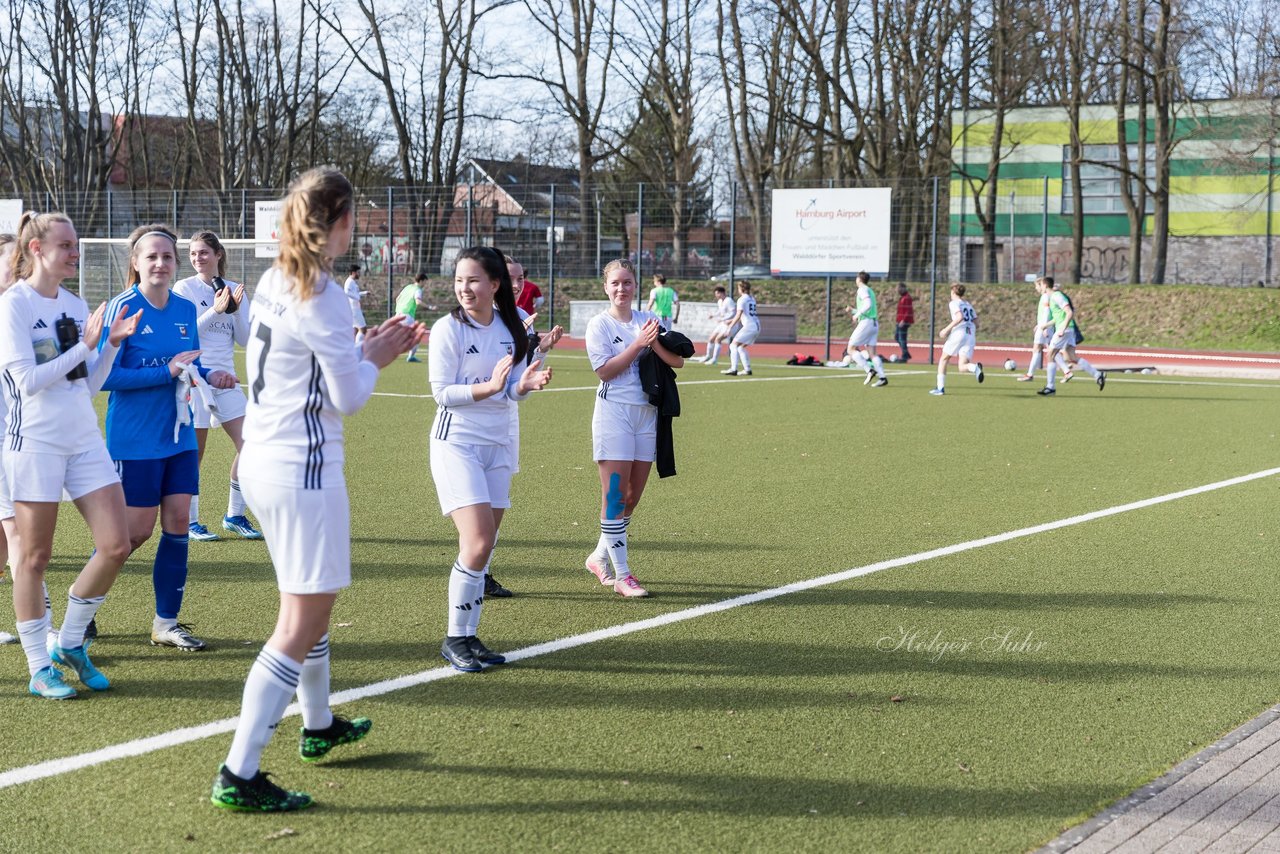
(139, 747)
(845, 373)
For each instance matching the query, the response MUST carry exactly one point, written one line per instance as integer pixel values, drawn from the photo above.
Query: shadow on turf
(732, 793)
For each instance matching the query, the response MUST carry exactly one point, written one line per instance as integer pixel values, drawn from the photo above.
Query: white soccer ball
(1147, 371)
(1010, 365)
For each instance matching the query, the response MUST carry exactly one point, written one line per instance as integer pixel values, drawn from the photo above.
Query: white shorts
(624, 431)
(864, 333)
(1063, 339)
(959, 343)
(746, 335)
(471, 474)
(722, 329)
(357, 318)
(6, 505)
(231, 404)
(44, 477)
(1041, 336)
(308, 533)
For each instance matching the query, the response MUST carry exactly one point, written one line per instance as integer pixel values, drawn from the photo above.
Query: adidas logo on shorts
(473, 350)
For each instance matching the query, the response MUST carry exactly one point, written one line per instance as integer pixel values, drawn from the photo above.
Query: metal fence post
(933, 272)
(244, 213)
(391, 246)
(1044, 229)
(471, 201)
(733, 231)
(551, 263)
(639, 239)
(599, 227)
(109, 219)
(175, 210)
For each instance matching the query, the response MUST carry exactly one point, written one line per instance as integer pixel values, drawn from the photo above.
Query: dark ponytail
(494, 264)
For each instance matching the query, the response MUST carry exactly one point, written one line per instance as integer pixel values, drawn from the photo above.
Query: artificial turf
(801, 723)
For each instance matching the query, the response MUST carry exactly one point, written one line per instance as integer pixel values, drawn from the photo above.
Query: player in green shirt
(664, 302)
(408, 301)
(1066, 332)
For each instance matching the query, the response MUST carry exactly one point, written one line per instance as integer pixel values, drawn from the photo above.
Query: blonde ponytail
(317, 199)
(32, 226)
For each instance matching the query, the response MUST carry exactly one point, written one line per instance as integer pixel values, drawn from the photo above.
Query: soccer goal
(103, 262)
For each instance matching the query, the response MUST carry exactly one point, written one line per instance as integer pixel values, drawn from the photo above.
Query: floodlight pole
(1044, 228)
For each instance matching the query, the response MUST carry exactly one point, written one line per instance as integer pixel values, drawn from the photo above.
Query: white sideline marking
(138, 747)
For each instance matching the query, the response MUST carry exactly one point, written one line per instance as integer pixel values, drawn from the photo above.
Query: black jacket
(658, 380)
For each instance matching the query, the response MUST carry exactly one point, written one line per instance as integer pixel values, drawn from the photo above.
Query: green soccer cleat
(257, 794)
(315, 743)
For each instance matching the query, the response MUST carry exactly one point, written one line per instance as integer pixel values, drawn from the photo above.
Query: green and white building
(1223, 214)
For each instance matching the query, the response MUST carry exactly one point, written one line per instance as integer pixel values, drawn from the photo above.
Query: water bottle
(68, 332)
(219, 284)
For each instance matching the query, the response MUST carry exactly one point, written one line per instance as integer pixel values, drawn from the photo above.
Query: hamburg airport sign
(830, 232)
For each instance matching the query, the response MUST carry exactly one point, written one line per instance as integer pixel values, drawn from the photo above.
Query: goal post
(103, 262)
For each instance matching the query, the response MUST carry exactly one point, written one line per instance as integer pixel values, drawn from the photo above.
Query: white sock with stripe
(272, 681)
(193, 517)
(466, 594)
(615, 533)
(79, 613)
(235, 501)
(313, 687)
(33, 634)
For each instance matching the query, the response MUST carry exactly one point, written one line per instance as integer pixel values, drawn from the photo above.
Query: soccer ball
(1010, 365)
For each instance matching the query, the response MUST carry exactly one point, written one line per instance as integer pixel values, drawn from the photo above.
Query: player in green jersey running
(408, 301)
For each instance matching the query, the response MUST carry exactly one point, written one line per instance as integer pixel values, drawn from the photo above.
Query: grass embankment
(1191, 316)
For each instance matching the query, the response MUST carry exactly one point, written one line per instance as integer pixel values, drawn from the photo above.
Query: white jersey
(47, 412)
(219, 333)
(607, 337)
(726, 308)
(304, 374)
(747, 305)
(968, 317)
(352, 289)
(461, 355)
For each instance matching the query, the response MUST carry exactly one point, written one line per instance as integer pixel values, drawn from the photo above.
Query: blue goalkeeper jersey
(142, 410)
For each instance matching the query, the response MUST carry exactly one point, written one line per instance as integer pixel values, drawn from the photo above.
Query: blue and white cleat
(196, 531)
(242, 526)
(78, 660)
(48, 683)
(937, 392)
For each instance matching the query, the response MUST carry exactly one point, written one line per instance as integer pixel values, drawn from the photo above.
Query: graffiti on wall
(1109, 264)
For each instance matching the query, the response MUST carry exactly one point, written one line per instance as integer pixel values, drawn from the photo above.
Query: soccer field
(976, 695)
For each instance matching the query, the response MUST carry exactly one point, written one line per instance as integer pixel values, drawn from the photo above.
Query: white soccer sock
(79, 613)
(942, 379)
(466, 594)
(615, 533)
(860, 360)
(1053, 374)
(1036, 359)
(1084, 363)
(194, 516)
(972, 367)
(272, 681)
(33, 634)
(878, 364)
(744, 358)
(733, 357)
(235, 500)
(413, 352)
(313, 687)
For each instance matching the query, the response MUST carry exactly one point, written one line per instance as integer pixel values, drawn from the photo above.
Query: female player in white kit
(52, 444)
(478, 371)
(624, 425)
(746, 315)
(959, 335)
(223, 322)
(304, 376)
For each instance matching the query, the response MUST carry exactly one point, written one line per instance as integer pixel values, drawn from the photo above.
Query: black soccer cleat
(483, 654)
(493, 589)
(457, 652)
(257, 794)
(1102, 380)
(1046, 391)
(315, 743)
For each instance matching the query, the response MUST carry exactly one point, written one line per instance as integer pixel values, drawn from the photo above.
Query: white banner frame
(831, 231)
